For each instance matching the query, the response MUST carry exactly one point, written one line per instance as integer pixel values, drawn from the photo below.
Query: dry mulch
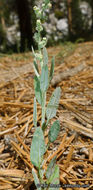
(74, 146)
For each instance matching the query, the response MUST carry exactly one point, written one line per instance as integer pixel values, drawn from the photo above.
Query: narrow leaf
(36, 180)
(41, 173)
(35, 113)
(33, 51)
(52, 69)
(54, 131)
(51, 167)
(44, 126)
(38, 93)
(44, 78)
(38, 147)
(54, 179)
(53, 104)
(45, 56)
(36, 70)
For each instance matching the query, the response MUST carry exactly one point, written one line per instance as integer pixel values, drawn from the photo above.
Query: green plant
(44, 179)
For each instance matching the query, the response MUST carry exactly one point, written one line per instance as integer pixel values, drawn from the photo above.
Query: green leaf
(33, 51)
(54, 131)
(44, 78)
(41, 173)
(54, 179)
(35, 113)
(51, 167)
(44, 126)
(36, 37)
(52, 69)
(36, 70)
(38, 147)
(45, 56)
(36, 180)
(53, 104)
(38, 93)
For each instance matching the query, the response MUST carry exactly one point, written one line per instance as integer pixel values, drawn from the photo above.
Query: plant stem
(43, 107)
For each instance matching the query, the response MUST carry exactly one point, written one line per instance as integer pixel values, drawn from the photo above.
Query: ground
(74, 145)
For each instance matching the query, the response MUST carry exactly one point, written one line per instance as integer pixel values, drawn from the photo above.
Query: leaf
(51, 167)
(44, 126)
(36, 70)
(41, 173)
(36, 180)
(38, 93)
(36, 37)
(38, 147)
(54, 179)
(54, 131)
(52, 69)
(44, 78)
(33, 51)
(53, 104)
(45, 56)
(35, 113)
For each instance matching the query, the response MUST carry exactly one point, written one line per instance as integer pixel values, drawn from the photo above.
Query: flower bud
(49, 5)
(39, 26)
(43, 5)
(35, 8)
(44, 39)
(39, 13)
(38, 22)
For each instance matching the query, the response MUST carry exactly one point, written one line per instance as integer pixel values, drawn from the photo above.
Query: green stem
(41, 179)
(39, 41)
(39, 49)
(43, 107)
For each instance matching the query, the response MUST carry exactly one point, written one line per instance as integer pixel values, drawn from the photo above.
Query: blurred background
(67, 20)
